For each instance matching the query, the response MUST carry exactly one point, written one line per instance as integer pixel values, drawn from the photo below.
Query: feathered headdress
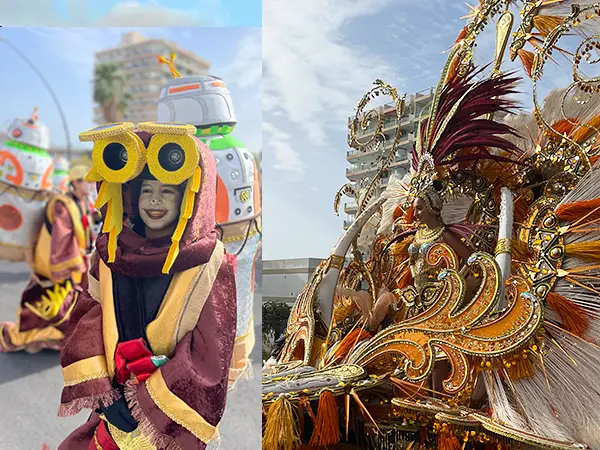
(459, 128)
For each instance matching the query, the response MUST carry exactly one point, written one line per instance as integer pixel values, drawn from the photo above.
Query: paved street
(30, 387)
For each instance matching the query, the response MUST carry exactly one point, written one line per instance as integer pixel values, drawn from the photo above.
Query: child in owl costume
(205, 102)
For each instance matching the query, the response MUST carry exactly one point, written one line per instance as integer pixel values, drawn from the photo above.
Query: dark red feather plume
(468, 128)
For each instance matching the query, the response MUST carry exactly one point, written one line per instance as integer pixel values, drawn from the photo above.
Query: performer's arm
(83, 361)
(184, 399)
(65, 255)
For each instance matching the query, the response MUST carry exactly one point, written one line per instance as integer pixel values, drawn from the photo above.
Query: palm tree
(110, 91)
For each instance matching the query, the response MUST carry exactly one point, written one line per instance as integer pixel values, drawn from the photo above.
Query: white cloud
(245, 70)
(286, 158)
(310, 72)
(124, 13)
(136, 14)
(22, 14)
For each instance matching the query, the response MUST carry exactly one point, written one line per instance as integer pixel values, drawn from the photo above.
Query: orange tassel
(448, 442)
(545, 24)
(586, 132)
(349, 341)
(327, 425)
(520, 368)
(281, 430)
(527, 59)
(572, 212)
(572, 316)
(594, 159)
(588, 251)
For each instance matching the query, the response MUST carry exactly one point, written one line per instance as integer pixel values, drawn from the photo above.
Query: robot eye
(17, 133)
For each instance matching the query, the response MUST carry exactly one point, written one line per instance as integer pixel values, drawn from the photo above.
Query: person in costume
(152, 337)
(25, 186)
(59, 263)
(522, 194)
(205, 102)
(60, 176)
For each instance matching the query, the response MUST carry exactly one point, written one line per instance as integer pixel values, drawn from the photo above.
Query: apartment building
(364, 165)
(136, 55)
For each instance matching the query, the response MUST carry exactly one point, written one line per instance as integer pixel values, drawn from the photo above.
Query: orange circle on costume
(16, 179)
(10, 218)
(46, 181)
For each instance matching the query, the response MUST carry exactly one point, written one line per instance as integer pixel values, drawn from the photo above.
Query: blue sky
(234, 13)
(66, 57)
(319, 58)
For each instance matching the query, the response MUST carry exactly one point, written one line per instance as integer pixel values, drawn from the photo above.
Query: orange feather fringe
(572, 212)
(400, 248)
(594, 159)
(405, 280)
(572, 316)
(398, 212)
(521, 208)
(410, 214)
(452, 69)
(588, 251)
(327, 425)
(521, 251)
(350, 340)
(545, 24)
(564, 127)
(461, 35)
(527, 59)
(586, 132)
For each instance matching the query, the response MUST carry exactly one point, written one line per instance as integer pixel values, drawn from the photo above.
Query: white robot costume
(26, 172)
(205, 102)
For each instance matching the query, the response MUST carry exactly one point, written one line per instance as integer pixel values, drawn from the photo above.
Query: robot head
(202, 101)
(30, 132)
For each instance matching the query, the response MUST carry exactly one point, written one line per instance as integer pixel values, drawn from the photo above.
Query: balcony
(347, 224)
(357, 155)
(350, 208)
(360, 169)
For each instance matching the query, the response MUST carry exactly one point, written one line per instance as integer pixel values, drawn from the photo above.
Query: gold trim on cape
(177, 410)
(85, 370)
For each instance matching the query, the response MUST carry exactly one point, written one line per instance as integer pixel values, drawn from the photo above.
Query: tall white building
(137, 58)
(364, 165)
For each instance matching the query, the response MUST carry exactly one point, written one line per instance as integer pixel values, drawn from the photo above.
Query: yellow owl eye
(172, 154)
(118, 153)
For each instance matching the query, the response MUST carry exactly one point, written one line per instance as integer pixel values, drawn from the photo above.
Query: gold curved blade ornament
(462, 334)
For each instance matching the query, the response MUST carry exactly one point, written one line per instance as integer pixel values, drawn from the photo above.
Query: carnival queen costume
(153, 336)
(471, 320)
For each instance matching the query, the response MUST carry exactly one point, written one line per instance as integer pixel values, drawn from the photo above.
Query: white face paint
(159, 206)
